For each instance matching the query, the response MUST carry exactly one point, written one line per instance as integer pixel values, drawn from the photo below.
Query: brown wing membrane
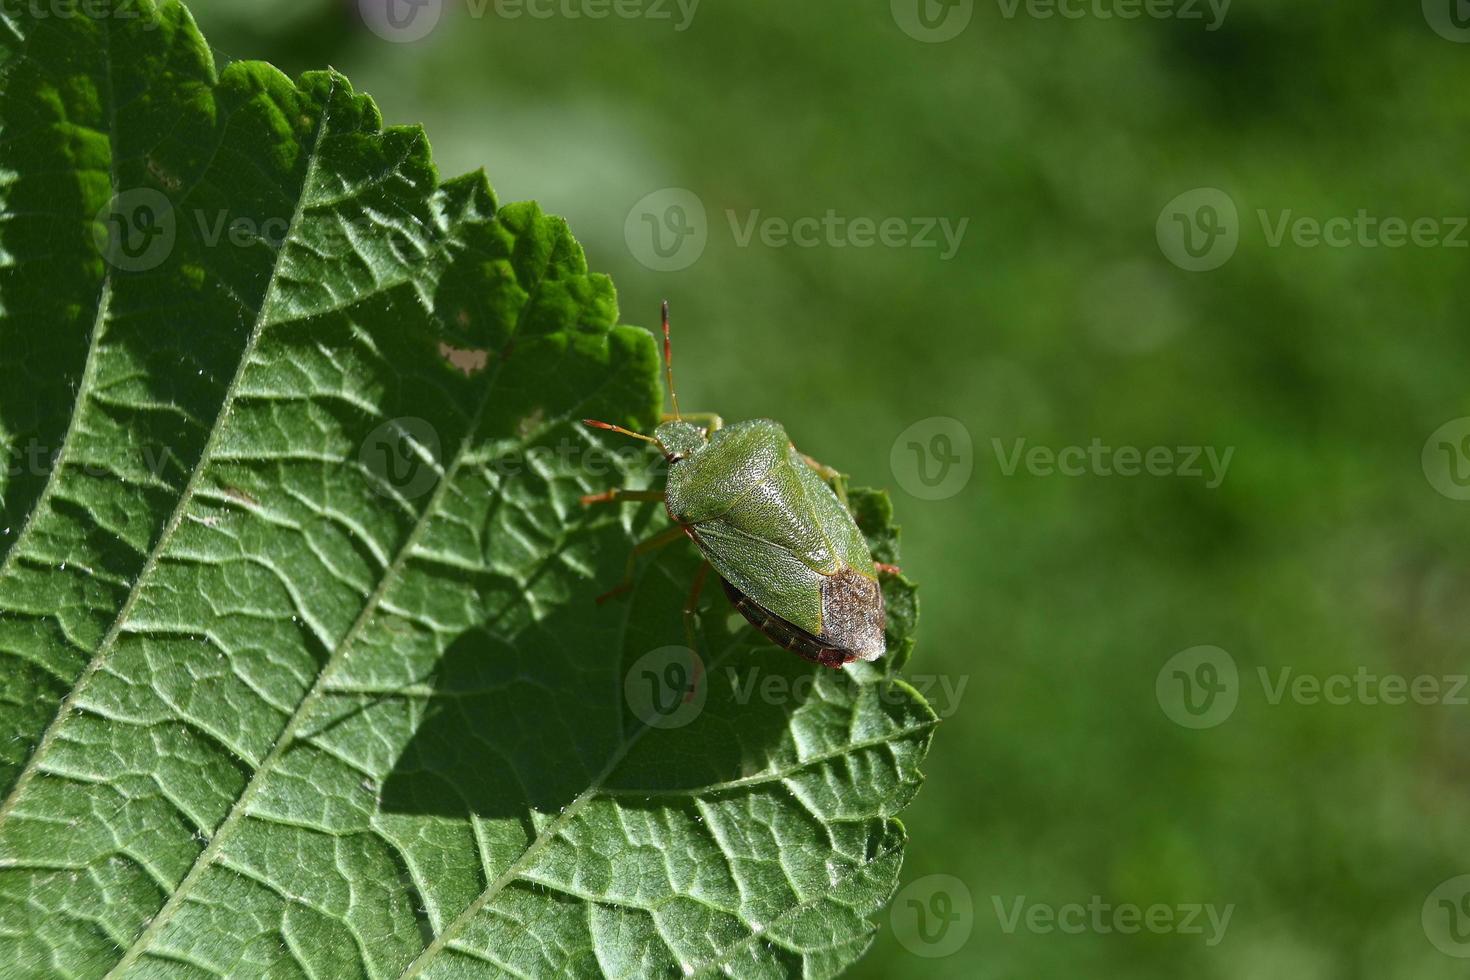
(784, 634)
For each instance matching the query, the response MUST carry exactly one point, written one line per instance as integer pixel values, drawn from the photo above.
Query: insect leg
(654, 543)
(691, 605)
(615, 495)
(712, 421)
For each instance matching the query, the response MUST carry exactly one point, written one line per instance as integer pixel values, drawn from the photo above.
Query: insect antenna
(669, 362)
(618, 428)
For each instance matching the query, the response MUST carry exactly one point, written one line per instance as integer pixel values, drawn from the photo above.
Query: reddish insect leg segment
(654, 543)
(616, 495)
(691, 604)
(608, 426)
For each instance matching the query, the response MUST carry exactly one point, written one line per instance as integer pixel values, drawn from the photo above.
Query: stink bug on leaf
(774, 525)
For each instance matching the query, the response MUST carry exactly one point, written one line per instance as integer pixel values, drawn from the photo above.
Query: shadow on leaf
(533, 720)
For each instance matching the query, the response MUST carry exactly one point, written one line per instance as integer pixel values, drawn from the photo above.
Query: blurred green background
(1057, 600)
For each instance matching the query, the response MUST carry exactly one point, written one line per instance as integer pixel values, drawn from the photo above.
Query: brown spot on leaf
(471, 362)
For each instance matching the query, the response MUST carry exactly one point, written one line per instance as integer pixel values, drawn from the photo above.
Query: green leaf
(302, 671)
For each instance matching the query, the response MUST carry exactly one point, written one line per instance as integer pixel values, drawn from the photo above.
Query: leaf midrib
(287, 736)
(104, 296)
(104, 648)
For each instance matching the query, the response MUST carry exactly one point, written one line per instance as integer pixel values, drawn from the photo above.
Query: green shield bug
(774, 525)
